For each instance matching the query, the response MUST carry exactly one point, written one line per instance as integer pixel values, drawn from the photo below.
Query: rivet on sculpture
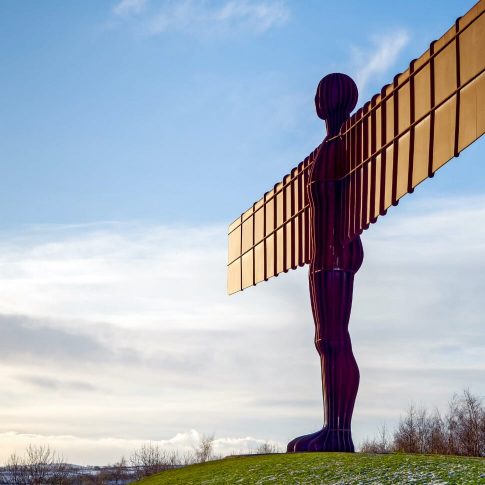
(365, 164)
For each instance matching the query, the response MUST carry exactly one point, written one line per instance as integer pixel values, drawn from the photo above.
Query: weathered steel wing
(427, 116)
(272, 235)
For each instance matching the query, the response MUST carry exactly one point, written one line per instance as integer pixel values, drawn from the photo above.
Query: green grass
(328, 468)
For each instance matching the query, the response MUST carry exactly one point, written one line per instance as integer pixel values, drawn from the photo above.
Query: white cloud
(125, 332)
(378, 58)
(200, 17)
(111, 274)
(261, 15)
(126, 8)
(112, 449)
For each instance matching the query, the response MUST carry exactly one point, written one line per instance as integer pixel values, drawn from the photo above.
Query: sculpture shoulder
(330, 161)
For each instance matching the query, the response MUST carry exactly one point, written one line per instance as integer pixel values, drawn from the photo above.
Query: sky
(132, 133)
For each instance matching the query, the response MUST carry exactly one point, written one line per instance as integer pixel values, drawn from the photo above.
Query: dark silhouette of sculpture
(332, 270)
(367, 162)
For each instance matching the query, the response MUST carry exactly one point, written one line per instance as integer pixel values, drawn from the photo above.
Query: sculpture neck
(334, 122)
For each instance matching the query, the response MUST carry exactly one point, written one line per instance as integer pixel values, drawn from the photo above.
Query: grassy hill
(328, 468)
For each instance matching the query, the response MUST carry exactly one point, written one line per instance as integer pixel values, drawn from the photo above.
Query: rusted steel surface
(402, 136)
(332, 271)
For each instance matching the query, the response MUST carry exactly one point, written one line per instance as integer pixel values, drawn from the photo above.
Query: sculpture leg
(331, 294)
(300, 443)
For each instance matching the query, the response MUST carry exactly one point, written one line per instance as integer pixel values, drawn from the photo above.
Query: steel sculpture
(366, 163)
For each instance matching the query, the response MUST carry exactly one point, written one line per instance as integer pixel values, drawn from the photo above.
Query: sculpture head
(335, 99)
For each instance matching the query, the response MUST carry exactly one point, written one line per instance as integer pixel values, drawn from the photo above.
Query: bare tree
(437, 435)
(188, 458)
(461, 431)
(381, 444)
(406, 436)
(482, 433)
(40, 465)
(267, 448)
(205, 450)
(452, 424)
(150, 459)
(468, 420)
(117, 473)
(13, 471)
(44, 466)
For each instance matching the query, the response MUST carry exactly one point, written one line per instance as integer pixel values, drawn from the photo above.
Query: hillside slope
(329, 468)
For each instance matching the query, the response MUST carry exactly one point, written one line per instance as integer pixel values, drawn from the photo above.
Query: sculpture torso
(327, 212)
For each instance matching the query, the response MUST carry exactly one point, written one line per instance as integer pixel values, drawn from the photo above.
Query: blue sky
(132, 132)
(107, 118)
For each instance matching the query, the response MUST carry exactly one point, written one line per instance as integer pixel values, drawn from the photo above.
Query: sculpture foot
(323, 440)
(333, 440)
(300, 443)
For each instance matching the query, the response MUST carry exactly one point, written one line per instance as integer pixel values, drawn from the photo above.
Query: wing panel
(389, 178)
(480, 90)
(234, 247)
(444, 138)
(420, 152)
(234, 277)
(404, 106)
(259, 262)
(270, 256)
(247, 262)
(288, 223)
(471, 48)
(403, 166)
(422, 90)
(247, 234)
(377, 162)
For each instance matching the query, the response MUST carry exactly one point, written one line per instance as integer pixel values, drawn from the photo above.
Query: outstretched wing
(427, 116)
(272, 235)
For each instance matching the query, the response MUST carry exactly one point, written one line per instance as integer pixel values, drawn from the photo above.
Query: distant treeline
(40, 465)
(461, 431)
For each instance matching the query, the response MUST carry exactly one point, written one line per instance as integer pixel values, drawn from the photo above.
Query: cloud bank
(117, 334)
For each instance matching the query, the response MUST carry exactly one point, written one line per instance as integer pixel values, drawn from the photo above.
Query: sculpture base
(324, 440)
